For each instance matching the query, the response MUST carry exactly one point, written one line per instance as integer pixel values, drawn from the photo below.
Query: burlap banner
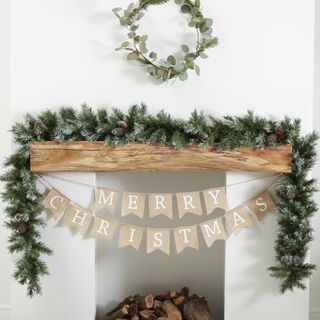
(189, 202)
(55, 202)
(133, 203)
(262, 204)
(239, 218)
(130, 236)
(78, 218)
(186, 237)
(215, 198)
(159, 204)
(105, 198)
(213, 230)
(104, 228)
(158, 239)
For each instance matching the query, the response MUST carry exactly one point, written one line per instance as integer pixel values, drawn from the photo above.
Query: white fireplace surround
(62, 54)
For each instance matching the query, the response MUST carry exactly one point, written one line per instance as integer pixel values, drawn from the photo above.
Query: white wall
(315, 254)
(5, 265)
(62, 53)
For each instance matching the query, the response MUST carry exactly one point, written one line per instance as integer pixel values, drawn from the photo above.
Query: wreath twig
(172, 66)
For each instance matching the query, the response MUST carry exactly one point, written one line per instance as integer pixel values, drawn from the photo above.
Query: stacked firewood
(168, 305)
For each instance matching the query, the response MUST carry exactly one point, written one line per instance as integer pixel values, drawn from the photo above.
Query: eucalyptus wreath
(296, 205)
(172, 66)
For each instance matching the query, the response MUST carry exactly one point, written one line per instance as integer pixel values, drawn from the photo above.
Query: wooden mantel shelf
(98, 157)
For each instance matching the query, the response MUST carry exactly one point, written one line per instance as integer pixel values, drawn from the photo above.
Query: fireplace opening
(124, 272)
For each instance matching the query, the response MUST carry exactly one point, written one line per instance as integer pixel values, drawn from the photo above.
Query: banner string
(46, 183)
(92, 186)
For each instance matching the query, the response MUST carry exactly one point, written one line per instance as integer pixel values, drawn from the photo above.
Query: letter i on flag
(130, 236)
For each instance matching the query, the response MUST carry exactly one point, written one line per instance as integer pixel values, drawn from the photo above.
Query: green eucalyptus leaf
(194, 11)
(197, 70)
(185, 48)
(144, 38)
(134, 27)
(185, 8)
(137, 39)
(151, 70)
(132, 56)
(124, 21)
(172, 60)
(183, 76)
(189, 57)
(209, 22)
(179, 67)
(131, 35)
(165, 76)
(153, 55)
(197, 3)
(203, 55)
(143, 47)
(125, 44)
(130, 7)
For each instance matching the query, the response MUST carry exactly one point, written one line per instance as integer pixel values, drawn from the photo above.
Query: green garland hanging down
(295, 189)
(172, 66)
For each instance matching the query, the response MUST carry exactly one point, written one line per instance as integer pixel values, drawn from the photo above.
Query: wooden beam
(99, 157)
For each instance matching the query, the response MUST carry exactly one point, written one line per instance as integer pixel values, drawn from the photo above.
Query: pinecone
(18, 217)
(37, 127)
(22, 228)
(296, 261)
(118, 132)
(122, 124)
(280, 132)
(203, 136)
(291, 194)
(272, 138)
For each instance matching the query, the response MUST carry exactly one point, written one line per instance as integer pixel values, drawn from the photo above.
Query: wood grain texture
(98, 157)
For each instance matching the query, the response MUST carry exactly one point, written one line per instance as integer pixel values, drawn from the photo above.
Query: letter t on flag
(186, 237)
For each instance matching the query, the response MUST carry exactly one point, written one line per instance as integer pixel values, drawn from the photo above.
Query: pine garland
(24, 209)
